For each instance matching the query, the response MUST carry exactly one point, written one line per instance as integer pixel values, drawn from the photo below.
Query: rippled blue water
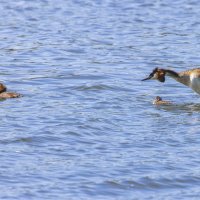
(86, 127)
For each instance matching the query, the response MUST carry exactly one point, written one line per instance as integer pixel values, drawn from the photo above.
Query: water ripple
(86, 120)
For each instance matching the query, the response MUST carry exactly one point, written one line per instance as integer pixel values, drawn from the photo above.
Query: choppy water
(86, 127)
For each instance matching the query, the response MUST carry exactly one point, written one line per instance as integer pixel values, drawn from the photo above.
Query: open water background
(86, 127)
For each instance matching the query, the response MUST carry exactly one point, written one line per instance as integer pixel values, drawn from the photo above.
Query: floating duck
(190, 78)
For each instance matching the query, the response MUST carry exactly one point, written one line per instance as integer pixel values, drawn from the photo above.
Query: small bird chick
(158, 101)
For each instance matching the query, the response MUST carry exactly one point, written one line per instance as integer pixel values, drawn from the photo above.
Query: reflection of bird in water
(190, 78)
(6, 95)
(158, 101)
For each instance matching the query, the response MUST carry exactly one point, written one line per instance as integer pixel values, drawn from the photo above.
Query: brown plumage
(6, 95)
(2, 88)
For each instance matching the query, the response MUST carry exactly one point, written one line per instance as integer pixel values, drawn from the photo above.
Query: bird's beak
(150, 76)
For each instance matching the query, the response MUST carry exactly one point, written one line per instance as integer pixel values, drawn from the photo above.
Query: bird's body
(7, 95)
(190, 78)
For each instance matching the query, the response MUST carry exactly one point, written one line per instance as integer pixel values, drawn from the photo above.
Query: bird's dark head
(2, 88)
(156, 74)
(158, 98)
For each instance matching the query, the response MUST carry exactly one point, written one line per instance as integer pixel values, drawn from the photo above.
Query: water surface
(86, 127)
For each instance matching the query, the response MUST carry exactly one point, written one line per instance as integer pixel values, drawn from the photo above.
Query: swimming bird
(158, 101)
(5, 95)
(190, 78)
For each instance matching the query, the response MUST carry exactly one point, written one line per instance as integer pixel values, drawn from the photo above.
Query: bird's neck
(180, 77)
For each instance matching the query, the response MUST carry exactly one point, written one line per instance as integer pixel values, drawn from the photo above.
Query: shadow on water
(186, 107)
(148, 183)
